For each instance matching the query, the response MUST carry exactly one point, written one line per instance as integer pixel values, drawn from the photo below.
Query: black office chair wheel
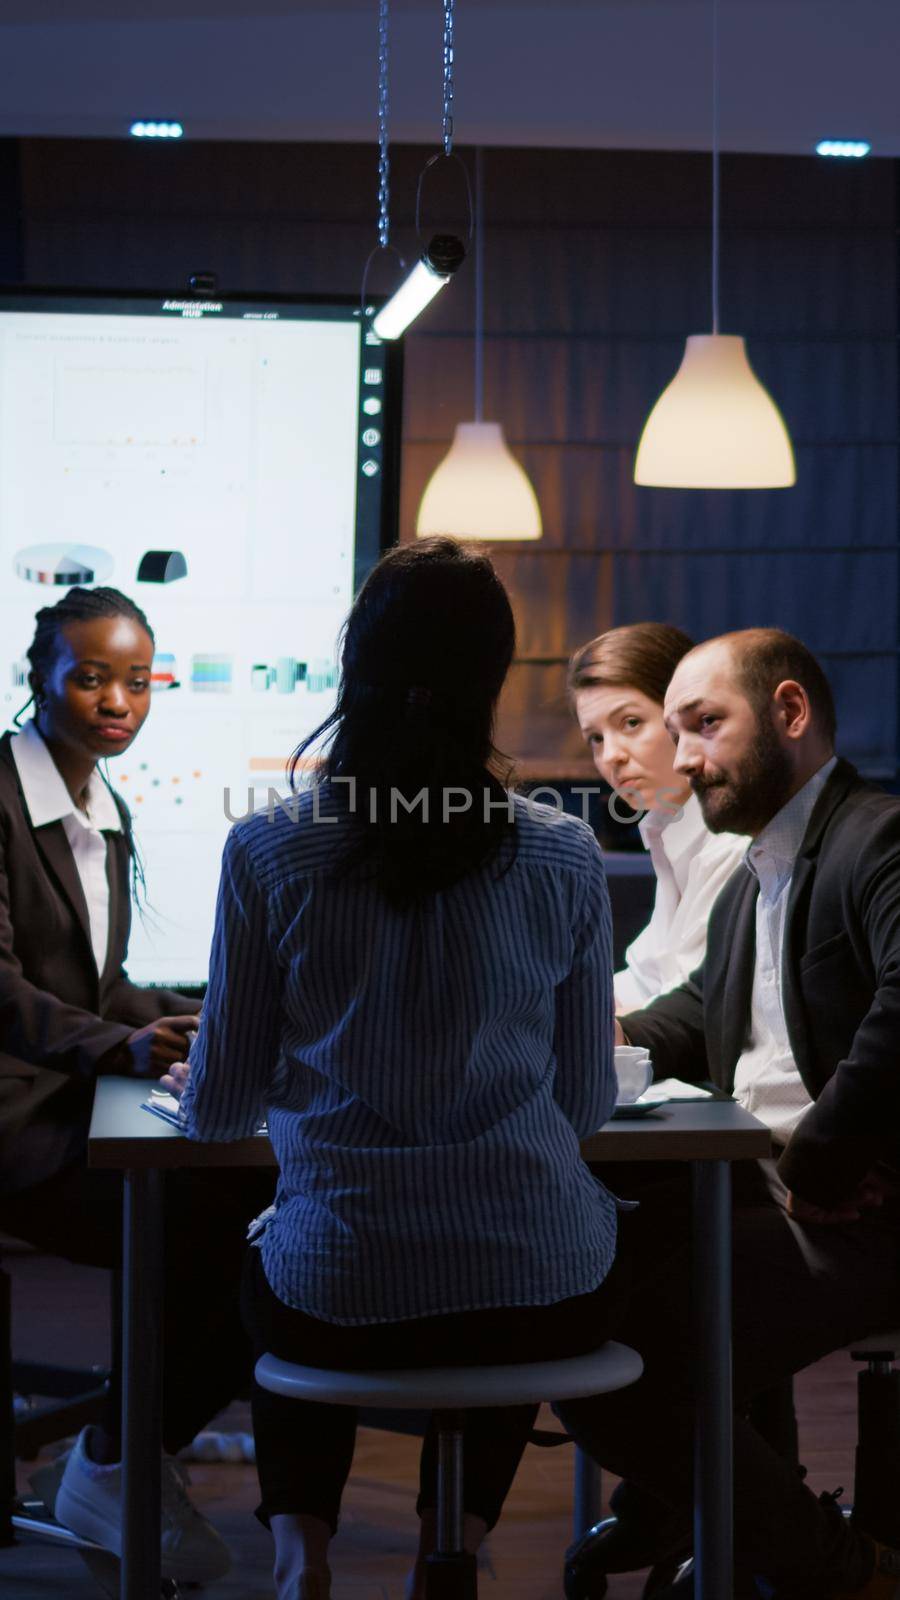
(875, 1498)
(582, 1579)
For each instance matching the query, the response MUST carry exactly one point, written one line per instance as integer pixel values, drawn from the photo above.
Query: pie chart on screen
(63, 564)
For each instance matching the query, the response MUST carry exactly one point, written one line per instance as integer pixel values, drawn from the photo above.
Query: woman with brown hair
(617, 684)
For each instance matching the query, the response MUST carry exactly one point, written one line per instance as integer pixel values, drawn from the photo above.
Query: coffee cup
(634, 1072)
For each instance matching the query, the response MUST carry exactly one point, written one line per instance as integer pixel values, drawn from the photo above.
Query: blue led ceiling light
(156, 130)
(854, 148)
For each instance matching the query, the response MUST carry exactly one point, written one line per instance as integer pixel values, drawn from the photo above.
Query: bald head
(752, 717)
(759, 659)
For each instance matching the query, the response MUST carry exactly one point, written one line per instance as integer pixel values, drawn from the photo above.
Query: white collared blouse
(692, 867)
(48, 800)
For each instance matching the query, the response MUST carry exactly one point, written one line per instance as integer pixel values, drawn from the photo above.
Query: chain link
(447, 118)
(384, 163)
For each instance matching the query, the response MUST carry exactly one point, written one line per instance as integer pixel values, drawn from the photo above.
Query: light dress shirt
(766, 1080)
(426, 1072)
(48, 800)
(691, 866)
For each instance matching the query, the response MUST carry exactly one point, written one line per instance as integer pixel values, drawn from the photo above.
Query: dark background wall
(597, 266)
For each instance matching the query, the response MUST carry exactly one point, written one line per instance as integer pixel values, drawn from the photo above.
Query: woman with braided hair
(69, 1012)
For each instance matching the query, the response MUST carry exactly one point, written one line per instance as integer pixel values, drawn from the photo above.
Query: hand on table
(158, 1046)
(176, 1079)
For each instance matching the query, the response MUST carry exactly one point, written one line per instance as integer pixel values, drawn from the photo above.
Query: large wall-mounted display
(224, 463)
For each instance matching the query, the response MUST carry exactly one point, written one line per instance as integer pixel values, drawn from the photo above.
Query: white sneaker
(89, 1502)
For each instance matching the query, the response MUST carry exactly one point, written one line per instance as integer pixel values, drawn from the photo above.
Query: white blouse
(692, 866)
(48, 800)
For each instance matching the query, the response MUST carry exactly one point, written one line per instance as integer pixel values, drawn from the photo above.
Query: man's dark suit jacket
(841, 991)
(59, 1017)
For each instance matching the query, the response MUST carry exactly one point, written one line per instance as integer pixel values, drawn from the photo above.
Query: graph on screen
(224, 465)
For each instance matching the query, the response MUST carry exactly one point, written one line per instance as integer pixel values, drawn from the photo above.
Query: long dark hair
(86, 605)
(426, 649)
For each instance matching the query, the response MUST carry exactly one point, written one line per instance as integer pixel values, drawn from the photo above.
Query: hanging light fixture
(436, 266)
(479, 490)
(715, 426)
(445, 253)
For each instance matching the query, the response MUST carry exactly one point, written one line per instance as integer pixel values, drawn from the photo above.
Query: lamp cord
(715, 166)
(479, 284)
(447, 107)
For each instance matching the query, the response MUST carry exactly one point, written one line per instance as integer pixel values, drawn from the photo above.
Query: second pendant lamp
(715, 426)
(479, 490)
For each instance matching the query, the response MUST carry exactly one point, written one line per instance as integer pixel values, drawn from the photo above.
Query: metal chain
(447, 119)
(384, 163)
(716, 168)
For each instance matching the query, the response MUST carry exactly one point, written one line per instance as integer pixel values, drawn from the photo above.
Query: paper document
(674, 1089)
(160, 1104)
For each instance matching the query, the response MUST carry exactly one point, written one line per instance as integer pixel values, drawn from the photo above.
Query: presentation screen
(225, 465)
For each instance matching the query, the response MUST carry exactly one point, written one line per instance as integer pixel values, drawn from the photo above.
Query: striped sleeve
(585, 1086)
(236, 1052)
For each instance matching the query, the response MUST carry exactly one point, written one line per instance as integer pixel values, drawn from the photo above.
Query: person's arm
(665, 955)
(854, 1121)
(585, 1083)
(626, 988)
(128, 1002)
(672, 1029)
(35, 1025)
(236, 1052)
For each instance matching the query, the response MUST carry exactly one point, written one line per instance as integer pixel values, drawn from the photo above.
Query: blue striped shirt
(426, 1073)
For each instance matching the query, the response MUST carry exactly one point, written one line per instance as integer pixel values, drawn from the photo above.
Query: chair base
(31, 1518)
(451, 1577)
(875, 1498)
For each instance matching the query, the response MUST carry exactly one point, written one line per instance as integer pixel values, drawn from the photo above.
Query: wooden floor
(373, 1549)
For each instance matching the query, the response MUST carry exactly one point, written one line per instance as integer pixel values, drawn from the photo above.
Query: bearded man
(796, 1013)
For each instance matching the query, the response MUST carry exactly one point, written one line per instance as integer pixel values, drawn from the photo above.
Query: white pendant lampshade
(715, 426)
(479, 490)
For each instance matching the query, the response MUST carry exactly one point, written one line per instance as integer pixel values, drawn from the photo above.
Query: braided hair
(78, 605)
(86, 605)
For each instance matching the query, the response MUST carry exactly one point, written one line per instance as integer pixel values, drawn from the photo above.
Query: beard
(744, 800)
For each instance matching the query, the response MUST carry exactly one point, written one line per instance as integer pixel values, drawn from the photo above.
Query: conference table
(709, 1134)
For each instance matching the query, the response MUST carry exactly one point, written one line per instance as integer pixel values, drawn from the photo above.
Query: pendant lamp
(445, 254)
(715, 426)
(479, 490)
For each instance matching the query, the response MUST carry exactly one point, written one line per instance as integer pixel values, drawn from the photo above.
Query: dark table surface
(122, 1135)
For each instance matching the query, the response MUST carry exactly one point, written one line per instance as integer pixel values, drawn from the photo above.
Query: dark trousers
(799, 1293)
(77, 1214)
(304, 1449)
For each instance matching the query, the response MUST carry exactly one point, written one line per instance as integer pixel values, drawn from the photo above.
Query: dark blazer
(58, 1016)
(841, 989)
